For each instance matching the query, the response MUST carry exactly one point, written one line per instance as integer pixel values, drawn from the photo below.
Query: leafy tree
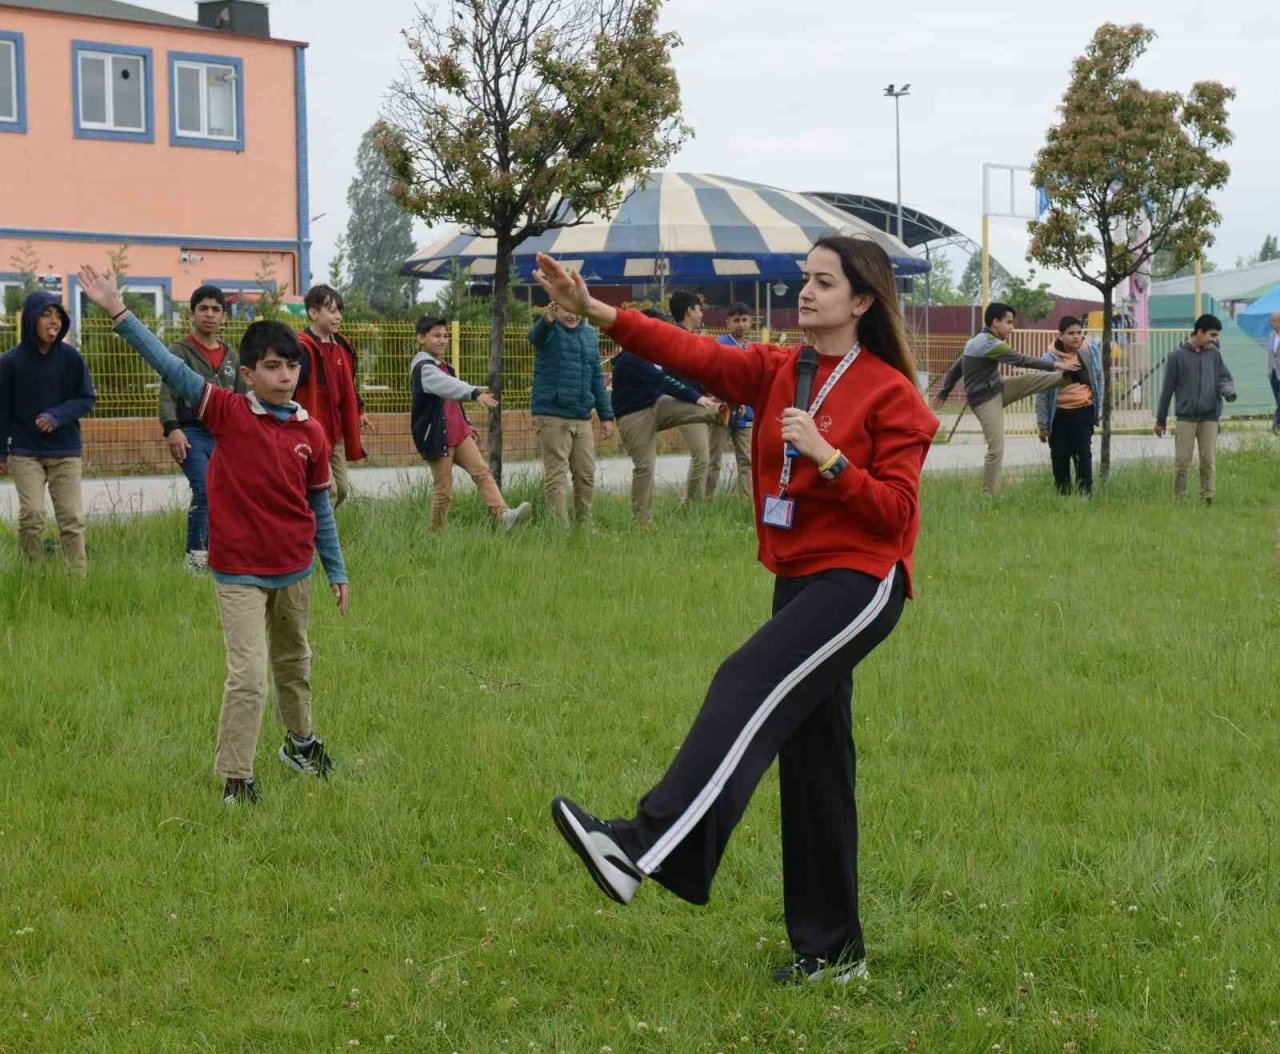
(338, 265)
(1123, 158)
(379, 234)
(1269, 251)
(521, 116)
(970, 287)
(271, 294)
(139, 303)
(1032, 302)
(458, 302)
(26, 261)
(941, 286)
(1162, 266)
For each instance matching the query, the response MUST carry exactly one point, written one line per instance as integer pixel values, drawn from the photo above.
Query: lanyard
(816, 405)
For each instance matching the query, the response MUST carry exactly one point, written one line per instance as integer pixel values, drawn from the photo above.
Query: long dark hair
(881, 329)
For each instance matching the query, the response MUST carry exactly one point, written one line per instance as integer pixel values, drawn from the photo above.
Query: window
(146, 298)
(113, 91)
(13, 102)
(206, 101)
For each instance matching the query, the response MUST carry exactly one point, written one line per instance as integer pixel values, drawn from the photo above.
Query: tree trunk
(497, 337)
(1104, 462)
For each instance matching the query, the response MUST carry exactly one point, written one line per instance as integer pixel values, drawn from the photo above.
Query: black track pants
(786, 693)
(1071, 442)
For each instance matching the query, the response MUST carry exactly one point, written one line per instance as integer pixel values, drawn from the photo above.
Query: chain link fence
(123, 432)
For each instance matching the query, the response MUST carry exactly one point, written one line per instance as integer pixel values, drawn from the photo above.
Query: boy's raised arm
(101, 290)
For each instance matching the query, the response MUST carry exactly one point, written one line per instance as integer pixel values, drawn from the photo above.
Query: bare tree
(520, 116)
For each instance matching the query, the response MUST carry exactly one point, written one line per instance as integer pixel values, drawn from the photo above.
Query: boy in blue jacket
(45, 389)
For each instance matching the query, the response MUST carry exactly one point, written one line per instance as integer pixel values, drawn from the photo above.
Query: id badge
(779, 512)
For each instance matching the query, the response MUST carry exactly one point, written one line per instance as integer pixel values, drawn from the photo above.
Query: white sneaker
(593, 840)
(513, 518)
(197, 561)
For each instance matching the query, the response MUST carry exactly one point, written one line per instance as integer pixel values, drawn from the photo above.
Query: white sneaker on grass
(513, 518)
(810, 969)
(593, 840)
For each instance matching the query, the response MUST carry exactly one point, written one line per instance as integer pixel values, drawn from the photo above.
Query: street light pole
(897, 136)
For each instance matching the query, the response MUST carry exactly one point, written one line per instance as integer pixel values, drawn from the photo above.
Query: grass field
(1067, 783)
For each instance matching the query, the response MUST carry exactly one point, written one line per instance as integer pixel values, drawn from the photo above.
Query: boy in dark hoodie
(45, 389)
(190, 443)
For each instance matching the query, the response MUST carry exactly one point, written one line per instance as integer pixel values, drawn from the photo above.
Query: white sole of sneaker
(841, 975)
(595, 851)
(306, 770)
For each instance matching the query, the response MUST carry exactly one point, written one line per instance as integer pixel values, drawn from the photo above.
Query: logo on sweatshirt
(303, 450)
(824, 423)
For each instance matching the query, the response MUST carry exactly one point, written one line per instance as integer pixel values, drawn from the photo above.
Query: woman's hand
(799, 430)
(101, 289)
(566, 287)
(485, 399)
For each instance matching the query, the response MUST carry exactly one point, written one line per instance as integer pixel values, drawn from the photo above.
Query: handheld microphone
(806, 370)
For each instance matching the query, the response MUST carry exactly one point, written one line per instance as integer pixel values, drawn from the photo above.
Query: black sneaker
(311, 758)
(238, 791)
(809, 969)
(593, 840)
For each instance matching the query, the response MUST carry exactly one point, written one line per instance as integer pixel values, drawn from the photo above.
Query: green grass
(1067, 784)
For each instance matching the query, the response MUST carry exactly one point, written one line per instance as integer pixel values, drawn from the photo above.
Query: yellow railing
(125, 431)
(127, 387)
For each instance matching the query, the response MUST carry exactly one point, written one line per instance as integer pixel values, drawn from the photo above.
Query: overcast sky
(791, 95)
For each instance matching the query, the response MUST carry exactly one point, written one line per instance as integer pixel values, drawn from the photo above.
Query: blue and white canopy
(1256, 318)
(680, 227)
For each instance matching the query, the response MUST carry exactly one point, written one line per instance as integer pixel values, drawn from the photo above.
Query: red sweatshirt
(867, 518)
(332, 401)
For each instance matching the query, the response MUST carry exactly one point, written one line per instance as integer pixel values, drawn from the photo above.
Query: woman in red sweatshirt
(837, 522)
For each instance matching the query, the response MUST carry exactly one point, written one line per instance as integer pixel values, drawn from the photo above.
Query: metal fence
(123, 433)
(1137, 357)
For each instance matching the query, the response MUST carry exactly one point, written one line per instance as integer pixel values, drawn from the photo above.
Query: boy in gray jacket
(988, 393)
(190, 443)
(1197, 380)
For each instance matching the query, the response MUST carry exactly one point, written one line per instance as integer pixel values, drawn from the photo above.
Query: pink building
(184, 140)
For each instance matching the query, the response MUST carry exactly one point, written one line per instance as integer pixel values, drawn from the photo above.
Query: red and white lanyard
(816, 405)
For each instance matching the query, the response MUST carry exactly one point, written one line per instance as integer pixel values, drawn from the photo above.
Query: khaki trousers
(62, 476)
(1187, 435)
(724, 439)
(262, 629)
(466, 455)
(697, 438)
(568, 448)
(339, 482)
(990, 415)
(639, 434)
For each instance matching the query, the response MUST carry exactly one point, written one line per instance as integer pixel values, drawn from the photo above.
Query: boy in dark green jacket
(568, 383)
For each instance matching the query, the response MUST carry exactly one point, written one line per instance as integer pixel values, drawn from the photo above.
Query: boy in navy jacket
(45, 389)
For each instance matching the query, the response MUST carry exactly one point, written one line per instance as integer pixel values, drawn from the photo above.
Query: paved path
(137, 495)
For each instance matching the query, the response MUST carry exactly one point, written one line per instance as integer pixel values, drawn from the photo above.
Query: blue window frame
(206, 101)
(13, 84)
(112, 92)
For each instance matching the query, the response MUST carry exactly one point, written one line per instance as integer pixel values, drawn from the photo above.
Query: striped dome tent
(677, 227)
